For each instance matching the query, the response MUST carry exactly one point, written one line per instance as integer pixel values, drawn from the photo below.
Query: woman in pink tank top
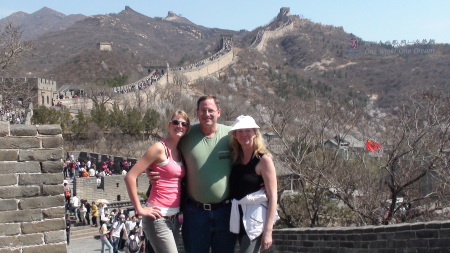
(160, 221)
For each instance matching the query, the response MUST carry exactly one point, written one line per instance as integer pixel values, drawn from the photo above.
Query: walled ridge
(206, 69)
(31, 200)
(263, 36)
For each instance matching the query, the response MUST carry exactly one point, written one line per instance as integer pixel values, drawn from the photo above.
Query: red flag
(372, 146)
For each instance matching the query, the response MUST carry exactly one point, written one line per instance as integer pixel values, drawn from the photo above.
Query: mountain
(71, 55)
(40, 22)
(301, 58)
(321, 58)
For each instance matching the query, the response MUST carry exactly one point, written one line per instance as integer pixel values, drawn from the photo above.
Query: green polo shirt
(208, 164)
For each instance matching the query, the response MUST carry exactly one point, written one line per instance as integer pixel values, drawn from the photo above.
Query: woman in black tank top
(252, 168)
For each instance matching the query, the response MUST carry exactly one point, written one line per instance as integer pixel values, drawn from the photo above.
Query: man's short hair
(203, 98)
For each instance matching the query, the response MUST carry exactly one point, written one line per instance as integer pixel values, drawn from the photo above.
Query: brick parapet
(31, 200)
(415, 237)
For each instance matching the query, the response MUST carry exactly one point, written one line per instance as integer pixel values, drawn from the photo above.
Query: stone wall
(31, 200)
(114, 186)
(204, 70)
(411, 237)
(268, 35)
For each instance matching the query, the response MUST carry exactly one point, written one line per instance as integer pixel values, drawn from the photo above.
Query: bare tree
(15, 92)
(417, 139)
(151, 95)
(303, 128)
(409, 180)
(101, 95)
(180, 81)
(12, 48)
(412, 167)
(174, 99)
(233, 107)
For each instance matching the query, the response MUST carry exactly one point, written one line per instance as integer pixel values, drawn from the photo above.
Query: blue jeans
(106, 242)
(115, 243)
(204, 229)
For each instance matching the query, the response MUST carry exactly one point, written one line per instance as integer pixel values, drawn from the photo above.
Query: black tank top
(244, 180)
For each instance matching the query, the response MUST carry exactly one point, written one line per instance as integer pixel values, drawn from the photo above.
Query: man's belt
(209, 207)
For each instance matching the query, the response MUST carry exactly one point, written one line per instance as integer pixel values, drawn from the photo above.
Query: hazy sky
(372, 20)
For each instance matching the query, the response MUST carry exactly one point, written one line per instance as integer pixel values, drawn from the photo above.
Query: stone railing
(31, 200)
(406, 237)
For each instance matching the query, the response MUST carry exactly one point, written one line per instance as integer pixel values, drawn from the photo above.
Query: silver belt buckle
(207, 207)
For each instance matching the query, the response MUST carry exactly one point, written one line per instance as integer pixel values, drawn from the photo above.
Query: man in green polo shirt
(205, 149)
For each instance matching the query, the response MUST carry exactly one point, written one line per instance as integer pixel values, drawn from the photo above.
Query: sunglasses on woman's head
(177, 123)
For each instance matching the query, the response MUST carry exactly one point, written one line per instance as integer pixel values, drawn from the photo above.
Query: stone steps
(79, 232)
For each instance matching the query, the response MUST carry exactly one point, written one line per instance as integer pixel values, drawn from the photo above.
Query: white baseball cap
(243, 122)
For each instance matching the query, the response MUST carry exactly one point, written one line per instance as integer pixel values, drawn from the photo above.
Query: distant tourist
(92, 172)
(68, 226)
(117, 228)
(82, 211)
(104, 232)
(94, 214)
(67, 195)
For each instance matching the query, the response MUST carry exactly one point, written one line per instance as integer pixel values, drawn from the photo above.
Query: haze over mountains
(310, 58)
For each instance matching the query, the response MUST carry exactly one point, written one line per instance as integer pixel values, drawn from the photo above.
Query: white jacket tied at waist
(254, 209)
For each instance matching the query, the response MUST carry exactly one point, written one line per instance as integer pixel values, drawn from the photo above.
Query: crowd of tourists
(141, 84)
(118, 229)
(86, 168)
(14, 114)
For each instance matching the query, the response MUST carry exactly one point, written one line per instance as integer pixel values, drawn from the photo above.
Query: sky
(371, 20)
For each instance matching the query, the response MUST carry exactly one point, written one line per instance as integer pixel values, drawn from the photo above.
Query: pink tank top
(167, 192)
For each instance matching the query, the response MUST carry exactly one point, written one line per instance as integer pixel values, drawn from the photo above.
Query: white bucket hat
(243, 122)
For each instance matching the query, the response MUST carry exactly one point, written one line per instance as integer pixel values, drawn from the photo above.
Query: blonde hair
(183, 115)
(258, 146)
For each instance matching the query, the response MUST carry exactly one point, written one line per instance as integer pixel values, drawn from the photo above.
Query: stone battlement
(405, 237)
(31, 200)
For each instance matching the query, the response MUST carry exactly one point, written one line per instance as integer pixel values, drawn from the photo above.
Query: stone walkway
(85, 245)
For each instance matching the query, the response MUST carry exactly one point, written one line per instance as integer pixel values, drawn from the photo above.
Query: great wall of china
(222, 59)
(267, 34)
(190, 73)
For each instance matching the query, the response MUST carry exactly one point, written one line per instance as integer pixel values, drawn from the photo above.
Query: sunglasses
(177, 123)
